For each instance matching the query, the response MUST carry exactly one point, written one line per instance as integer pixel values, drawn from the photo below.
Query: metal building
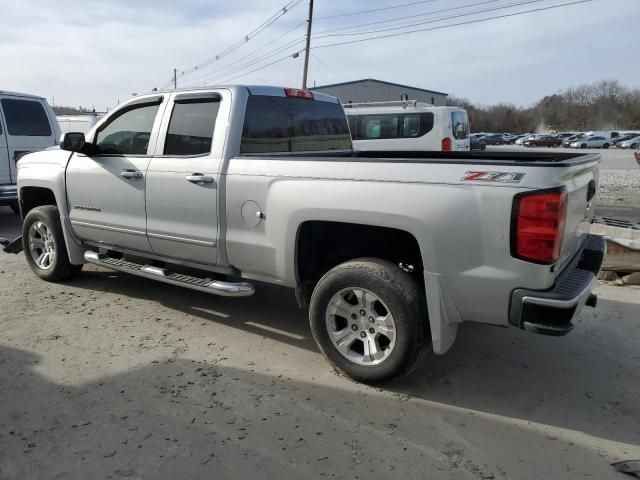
(372, 90)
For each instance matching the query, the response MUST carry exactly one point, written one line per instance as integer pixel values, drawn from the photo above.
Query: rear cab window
(288, 124)
(25, 118)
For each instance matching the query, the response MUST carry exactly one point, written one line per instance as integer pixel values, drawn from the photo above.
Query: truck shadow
(587, 381)
(176, 418)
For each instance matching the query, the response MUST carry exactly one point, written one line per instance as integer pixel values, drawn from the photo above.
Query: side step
(216, 287)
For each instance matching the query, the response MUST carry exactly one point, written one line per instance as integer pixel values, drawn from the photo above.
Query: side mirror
(73, 142)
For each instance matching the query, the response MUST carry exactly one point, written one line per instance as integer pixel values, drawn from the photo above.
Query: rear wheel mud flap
(443, 316)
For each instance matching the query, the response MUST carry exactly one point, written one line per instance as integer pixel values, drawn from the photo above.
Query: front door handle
(131, 174)
(199, 178)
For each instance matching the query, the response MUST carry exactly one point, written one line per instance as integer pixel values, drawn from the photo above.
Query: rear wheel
(44, 247)
(369, 320)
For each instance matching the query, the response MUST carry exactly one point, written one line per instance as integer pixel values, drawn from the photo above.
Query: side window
(191, 127)
(128, 133)
(25, 118)
(411, 126)
(460, 125)
(378, 126)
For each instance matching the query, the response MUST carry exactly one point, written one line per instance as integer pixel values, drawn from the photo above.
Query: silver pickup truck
(217, 189)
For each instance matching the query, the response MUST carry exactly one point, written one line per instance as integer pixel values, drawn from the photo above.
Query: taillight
(295, 92)
(447, 144)
(537, 225)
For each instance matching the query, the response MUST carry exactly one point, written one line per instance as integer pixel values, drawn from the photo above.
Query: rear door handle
(199, 178)
(131, 174)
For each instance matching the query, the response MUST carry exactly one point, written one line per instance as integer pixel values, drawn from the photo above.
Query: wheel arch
(320, 245)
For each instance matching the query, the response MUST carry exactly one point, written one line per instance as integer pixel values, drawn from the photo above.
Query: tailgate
(582, 183)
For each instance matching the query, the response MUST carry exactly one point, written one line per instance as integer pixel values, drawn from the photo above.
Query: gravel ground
(111, 376)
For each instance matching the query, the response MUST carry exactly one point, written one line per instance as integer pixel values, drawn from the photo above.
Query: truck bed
(525, 159)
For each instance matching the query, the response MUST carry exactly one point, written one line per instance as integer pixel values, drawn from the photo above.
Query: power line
(374, 10)
(255, 32)
(255, 70)
(235, 67)
(256, 61)
(408, 25)
(441, 27)
(391, 20)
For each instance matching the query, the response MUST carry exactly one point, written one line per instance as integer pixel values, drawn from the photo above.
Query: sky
(100, 52)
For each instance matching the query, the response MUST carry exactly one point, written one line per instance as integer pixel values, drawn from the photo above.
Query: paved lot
(110, 376)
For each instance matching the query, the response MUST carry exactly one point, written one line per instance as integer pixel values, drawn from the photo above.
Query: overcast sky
(96, 52)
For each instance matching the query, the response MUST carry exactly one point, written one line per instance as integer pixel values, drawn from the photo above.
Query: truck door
(106, 190)
(183, 177)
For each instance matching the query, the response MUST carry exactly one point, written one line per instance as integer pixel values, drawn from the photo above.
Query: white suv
(27, 124)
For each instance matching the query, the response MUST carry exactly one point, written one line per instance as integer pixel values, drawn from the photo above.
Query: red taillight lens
(538, 226)
(447, 144)
(294, 92)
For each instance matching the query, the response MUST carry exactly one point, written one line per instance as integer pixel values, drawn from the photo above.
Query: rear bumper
(551, 312)
(8, 193)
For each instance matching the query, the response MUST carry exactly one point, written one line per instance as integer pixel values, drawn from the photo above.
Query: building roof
(377, 81)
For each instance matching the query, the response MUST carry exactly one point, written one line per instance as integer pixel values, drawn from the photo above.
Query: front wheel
(583, 146)
(369, 320)
(44, 247)
(605, 146)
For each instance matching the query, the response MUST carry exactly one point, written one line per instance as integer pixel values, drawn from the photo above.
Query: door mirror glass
(72, 141)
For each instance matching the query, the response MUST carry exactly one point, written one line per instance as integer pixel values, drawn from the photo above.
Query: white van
(78, 123)
(27, 124)
(407, 125)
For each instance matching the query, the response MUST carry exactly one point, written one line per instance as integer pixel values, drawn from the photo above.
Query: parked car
(524, 138)
(476, 144)
(564, 135)
(494, 139)
(624, 138)
(27, 124)
(543, 141)
(633, 142)
(514, 139)
(259, 183)
(568, 141)
(591, 142)
(407, 125)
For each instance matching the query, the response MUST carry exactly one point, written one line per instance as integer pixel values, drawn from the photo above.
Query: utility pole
(306, 50)
(175, 78)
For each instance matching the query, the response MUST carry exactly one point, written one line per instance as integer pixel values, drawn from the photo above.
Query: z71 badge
(494, 177)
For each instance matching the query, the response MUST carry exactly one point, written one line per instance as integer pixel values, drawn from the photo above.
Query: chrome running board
(216, 287)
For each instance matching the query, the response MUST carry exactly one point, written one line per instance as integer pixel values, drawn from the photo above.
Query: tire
(583, 146)
(605, 146)
(42, 236)
(635, 146)
(397, 333)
